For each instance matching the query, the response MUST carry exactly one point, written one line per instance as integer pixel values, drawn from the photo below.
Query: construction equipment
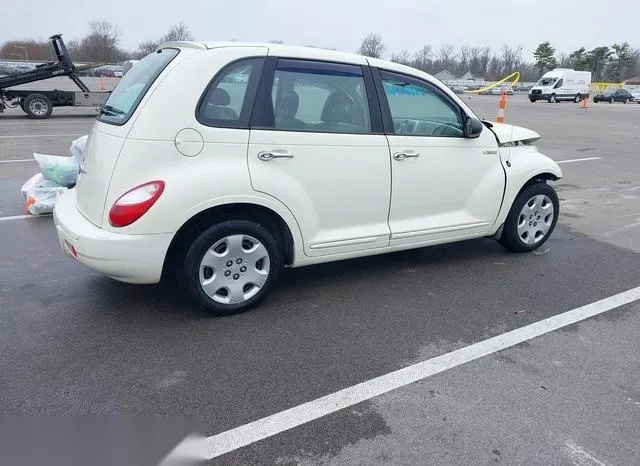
(39, 104)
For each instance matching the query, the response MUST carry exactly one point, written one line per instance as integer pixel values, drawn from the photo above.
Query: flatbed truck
(39, 104)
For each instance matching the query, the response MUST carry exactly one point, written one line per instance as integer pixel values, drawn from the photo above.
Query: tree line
(613, 63)
(101, 44)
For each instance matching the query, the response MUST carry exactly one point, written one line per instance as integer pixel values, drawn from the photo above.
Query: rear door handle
(405, 155)
(274, 154)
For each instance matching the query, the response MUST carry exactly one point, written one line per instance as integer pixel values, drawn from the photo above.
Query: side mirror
(472, 127)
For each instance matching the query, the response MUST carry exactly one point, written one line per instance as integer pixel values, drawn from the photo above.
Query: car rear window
(125, 98)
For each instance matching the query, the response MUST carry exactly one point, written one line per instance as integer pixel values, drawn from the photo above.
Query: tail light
(135, 203)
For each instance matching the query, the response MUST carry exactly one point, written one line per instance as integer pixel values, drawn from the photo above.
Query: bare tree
(446, 56)
(423, 58)
(485, 58)
(101, 44)
(372, 46)
(403, 57)
(564, 60)
(464, 60)
(27, 50)
(475, 63)
(145, 48)
(177, 32)
(511, 59)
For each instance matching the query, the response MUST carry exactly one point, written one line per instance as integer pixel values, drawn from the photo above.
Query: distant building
(635, 81)
(445, 76)
(469, 76)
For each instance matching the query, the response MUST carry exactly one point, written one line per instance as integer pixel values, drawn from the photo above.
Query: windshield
(125, 98)
(548, 81)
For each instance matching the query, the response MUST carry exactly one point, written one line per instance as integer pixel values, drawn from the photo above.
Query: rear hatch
(108, 135)
(100, 157)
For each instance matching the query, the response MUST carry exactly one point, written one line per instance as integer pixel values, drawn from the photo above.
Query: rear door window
(228, 100)
(318, 97)
(127, 95)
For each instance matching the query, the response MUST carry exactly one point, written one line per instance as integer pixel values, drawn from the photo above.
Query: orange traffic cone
(584, 102)
(102, 88)
(501, 107)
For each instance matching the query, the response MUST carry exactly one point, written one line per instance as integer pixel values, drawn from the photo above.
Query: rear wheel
(231, 267)
(37, 106)
(532, 218)
(577, 99)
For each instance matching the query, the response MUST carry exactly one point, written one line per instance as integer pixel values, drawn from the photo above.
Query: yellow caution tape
(604, 86)
(513, 83)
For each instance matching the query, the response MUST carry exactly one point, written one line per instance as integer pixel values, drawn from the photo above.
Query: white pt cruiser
(219, 164)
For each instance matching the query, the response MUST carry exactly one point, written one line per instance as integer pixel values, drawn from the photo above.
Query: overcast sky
(341, 24)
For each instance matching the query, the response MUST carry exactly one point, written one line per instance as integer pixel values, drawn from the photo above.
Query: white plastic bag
(42, 200)
(36, 181)
(77, 148)
(62, 170)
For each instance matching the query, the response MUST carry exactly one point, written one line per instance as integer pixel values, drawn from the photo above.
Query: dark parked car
(613, 95)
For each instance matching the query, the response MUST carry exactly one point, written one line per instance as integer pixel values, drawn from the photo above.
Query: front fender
(524, 164)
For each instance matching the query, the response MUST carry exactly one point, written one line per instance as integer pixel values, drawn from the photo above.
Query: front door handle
(274, 154)
(405, 155)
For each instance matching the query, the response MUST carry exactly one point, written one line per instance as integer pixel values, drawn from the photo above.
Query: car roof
(304, 52)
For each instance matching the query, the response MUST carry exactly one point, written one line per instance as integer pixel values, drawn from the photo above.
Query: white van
(219, 164)
(562, 84)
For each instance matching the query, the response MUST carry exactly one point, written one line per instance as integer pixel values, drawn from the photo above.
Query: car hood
(510, 133)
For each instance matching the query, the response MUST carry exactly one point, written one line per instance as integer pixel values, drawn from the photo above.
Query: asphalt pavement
(74, 342)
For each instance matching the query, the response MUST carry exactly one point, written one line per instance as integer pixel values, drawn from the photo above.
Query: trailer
(39, 104)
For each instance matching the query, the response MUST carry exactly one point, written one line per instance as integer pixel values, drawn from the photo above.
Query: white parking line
(21, 217)
(578, 160)
(26, 136)
(17, 160)
(261, 429)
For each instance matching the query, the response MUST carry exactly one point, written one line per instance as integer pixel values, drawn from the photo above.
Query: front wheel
(532, 218)
(231, 267)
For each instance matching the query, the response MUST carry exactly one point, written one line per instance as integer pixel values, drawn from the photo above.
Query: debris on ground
(58, 173)
(538, 252)
(520, 312)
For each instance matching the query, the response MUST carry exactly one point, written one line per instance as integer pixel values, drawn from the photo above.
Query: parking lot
(75, 342)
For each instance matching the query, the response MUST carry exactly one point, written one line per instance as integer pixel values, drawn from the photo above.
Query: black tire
(510, 238)
(37, 106)
(611, 100)
(188, 273)
(577, 99)
(552, 98)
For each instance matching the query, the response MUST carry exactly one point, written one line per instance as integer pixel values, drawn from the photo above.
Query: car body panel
(341, 195)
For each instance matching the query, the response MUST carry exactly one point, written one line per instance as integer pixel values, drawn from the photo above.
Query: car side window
(419, 109)
(319, 97)
(228, 99)
(558, 84)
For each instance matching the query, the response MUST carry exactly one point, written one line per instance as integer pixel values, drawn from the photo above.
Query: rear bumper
(126, 258)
